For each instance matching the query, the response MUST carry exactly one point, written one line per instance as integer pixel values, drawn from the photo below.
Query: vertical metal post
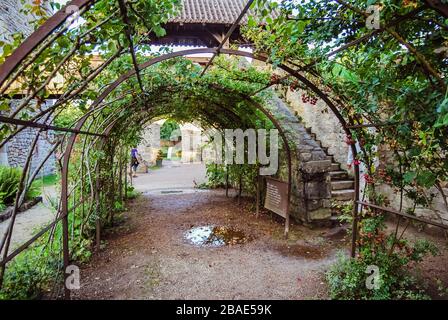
(227, 181)
(289, 157)
(64, 209)
(73, 215)
(240, 182)
(355, 203)
(130, 173)
(112, 187)
(125, 179)
(120, 175)
(97, 200)
(257, 206)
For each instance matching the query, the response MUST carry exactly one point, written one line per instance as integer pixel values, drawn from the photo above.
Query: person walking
(134, 161)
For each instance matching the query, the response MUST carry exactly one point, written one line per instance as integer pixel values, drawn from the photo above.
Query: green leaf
(426, 179)
(159, 31)
(4, 106)
(409, 176)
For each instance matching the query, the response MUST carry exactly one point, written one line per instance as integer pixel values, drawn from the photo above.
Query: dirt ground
(148, 256)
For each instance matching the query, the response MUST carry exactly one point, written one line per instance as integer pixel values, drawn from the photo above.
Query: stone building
(14, 153)
(188, 141)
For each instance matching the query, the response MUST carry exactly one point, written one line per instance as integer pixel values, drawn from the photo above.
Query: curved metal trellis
(43, 33)
(287, 69)
(54, 22)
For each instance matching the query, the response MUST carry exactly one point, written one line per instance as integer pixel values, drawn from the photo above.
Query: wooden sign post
(277, 199)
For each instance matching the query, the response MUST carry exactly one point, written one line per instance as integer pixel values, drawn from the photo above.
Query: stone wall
(323, 123)
(189, 142)
(437, 211)
(16, 151)
(150, 144)
(311, 188)
(12, 20)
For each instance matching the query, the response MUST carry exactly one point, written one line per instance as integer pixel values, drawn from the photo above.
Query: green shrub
(132, 193)
(160, 155)
(9, 183)
(216, 177)
(166, 131)
(347, 277)
(29, 275)
(119, 206)
(35, 271)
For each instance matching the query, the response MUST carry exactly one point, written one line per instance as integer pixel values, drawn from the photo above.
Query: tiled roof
(210, 11)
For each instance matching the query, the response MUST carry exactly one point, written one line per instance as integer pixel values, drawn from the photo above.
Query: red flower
(349, 140)
(368, 179)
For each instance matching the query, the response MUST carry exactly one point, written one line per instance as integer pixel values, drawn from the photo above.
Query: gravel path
(33, 219)
(148, 257)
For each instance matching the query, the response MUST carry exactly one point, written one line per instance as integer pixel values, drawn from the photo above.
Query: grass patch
(132, 193)
(47, 181)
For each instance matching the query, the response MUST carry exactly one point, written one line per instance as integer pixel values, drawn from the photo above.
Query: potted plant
(159, 158)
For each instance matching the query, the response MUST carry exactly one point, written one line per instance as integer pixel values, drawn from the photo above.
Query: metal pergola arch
(132, 72)
(32, 42)
(45, 30)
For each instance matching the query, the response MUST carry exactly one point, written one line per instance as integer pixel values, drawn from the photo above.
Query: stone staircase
(311, 190)
(342, 185)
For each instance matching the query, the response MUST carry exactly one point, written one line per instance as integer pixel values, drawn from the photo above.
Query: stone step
(346, 194)
(330, 157)
(342, 184)
(338, 175)
(335, 166)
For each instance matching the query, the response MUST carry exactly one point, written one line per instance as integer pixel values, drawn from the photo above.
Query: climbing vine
(391, 79)
(389, 82)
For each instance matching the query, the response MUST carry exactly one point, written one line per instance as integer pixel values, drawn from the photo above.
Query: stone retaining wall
(18, 149)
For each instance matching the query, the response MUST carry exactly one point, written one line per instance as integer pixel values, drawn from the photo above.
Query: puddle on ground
(216, 236)
(171, 191)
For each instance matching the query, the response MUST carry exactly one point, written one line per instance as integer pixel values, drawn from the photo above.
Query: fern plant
(9, 184)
